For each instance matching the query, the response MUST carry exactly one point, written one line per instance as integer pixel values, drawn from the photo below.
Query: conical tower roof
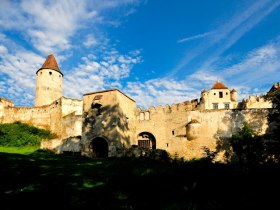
(50, 63)
(219, 85)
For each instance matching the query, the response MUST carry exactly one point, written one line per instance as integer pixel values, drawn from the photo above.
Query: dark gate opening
(99, 148)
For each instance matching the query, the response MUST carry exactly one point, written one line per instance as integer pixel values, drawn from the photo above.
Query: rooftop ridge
(113, 89)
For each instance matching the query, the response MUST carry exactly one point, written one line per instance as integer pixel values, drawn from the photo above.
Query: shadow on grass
(45, 180)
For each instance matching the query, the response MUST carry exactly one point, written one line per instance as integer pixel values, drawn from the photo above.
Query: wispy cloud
(51, 25)
(260, 67)
(198, 36)
(254, 74)
(227, 34)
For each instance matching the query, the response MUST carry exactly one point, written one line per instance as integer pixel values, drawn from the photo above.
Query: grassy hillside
(19, 134)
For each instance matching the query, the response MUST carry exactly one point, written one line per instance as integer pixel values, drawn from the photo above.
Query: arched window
(147, 115)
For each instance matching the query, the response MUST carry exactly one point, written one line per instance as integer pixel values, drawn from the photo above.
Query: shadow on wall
(109, 123)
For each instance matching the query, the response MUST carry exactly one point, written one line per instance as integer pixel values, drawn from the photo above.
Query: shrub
(20, 134)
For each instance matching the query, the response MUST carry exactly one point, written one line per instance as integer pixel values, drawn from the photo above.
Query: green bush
(20, 134)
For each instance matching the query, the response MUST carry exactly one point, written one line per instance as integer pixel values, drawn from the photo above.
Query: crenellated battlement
(167, 109)
(254, 102)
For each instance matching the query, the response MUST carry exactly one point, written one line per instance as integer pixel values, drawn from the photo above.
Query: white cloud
(54, 23)
(17, 72)
(99, 73)
(51, 25)
(160, 91)
(90, 41)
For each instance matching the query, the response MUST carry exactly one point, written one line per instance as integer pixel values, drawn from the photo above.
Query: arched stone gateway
(146, 140)
(99, 147)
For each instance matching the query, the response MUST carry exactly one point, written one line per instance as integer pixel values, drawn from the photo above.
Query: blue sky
(157, 52)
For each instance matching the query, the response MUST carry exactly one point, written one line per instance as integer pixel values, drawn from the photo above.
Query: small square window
(226, 106)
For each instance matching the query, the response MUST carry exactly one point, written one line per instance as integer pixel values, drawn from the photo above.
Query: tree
(274, 116)
(247, 146)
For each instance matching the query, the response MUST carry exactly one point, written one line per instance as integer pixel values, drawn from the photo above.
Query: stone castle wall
(169, 126)
(72, 125)
(70, 105)
(63, 117)
(4, 103)
(47, 117)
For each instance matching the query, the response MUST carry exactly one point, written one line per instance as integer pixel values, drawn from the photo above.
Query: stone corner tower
(48, 82)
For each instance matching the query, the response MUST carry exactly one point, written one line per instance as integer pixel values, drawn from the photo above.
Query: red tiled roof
(50, 63)
(219, 85)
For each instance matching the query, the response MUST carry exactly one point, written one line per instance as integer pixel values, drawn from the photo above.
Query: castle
(106, 123)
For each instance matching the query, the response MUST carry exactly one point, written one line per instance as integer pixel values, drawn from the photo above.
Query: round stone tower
(48, 82)
(204, 95)
(233, 95)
